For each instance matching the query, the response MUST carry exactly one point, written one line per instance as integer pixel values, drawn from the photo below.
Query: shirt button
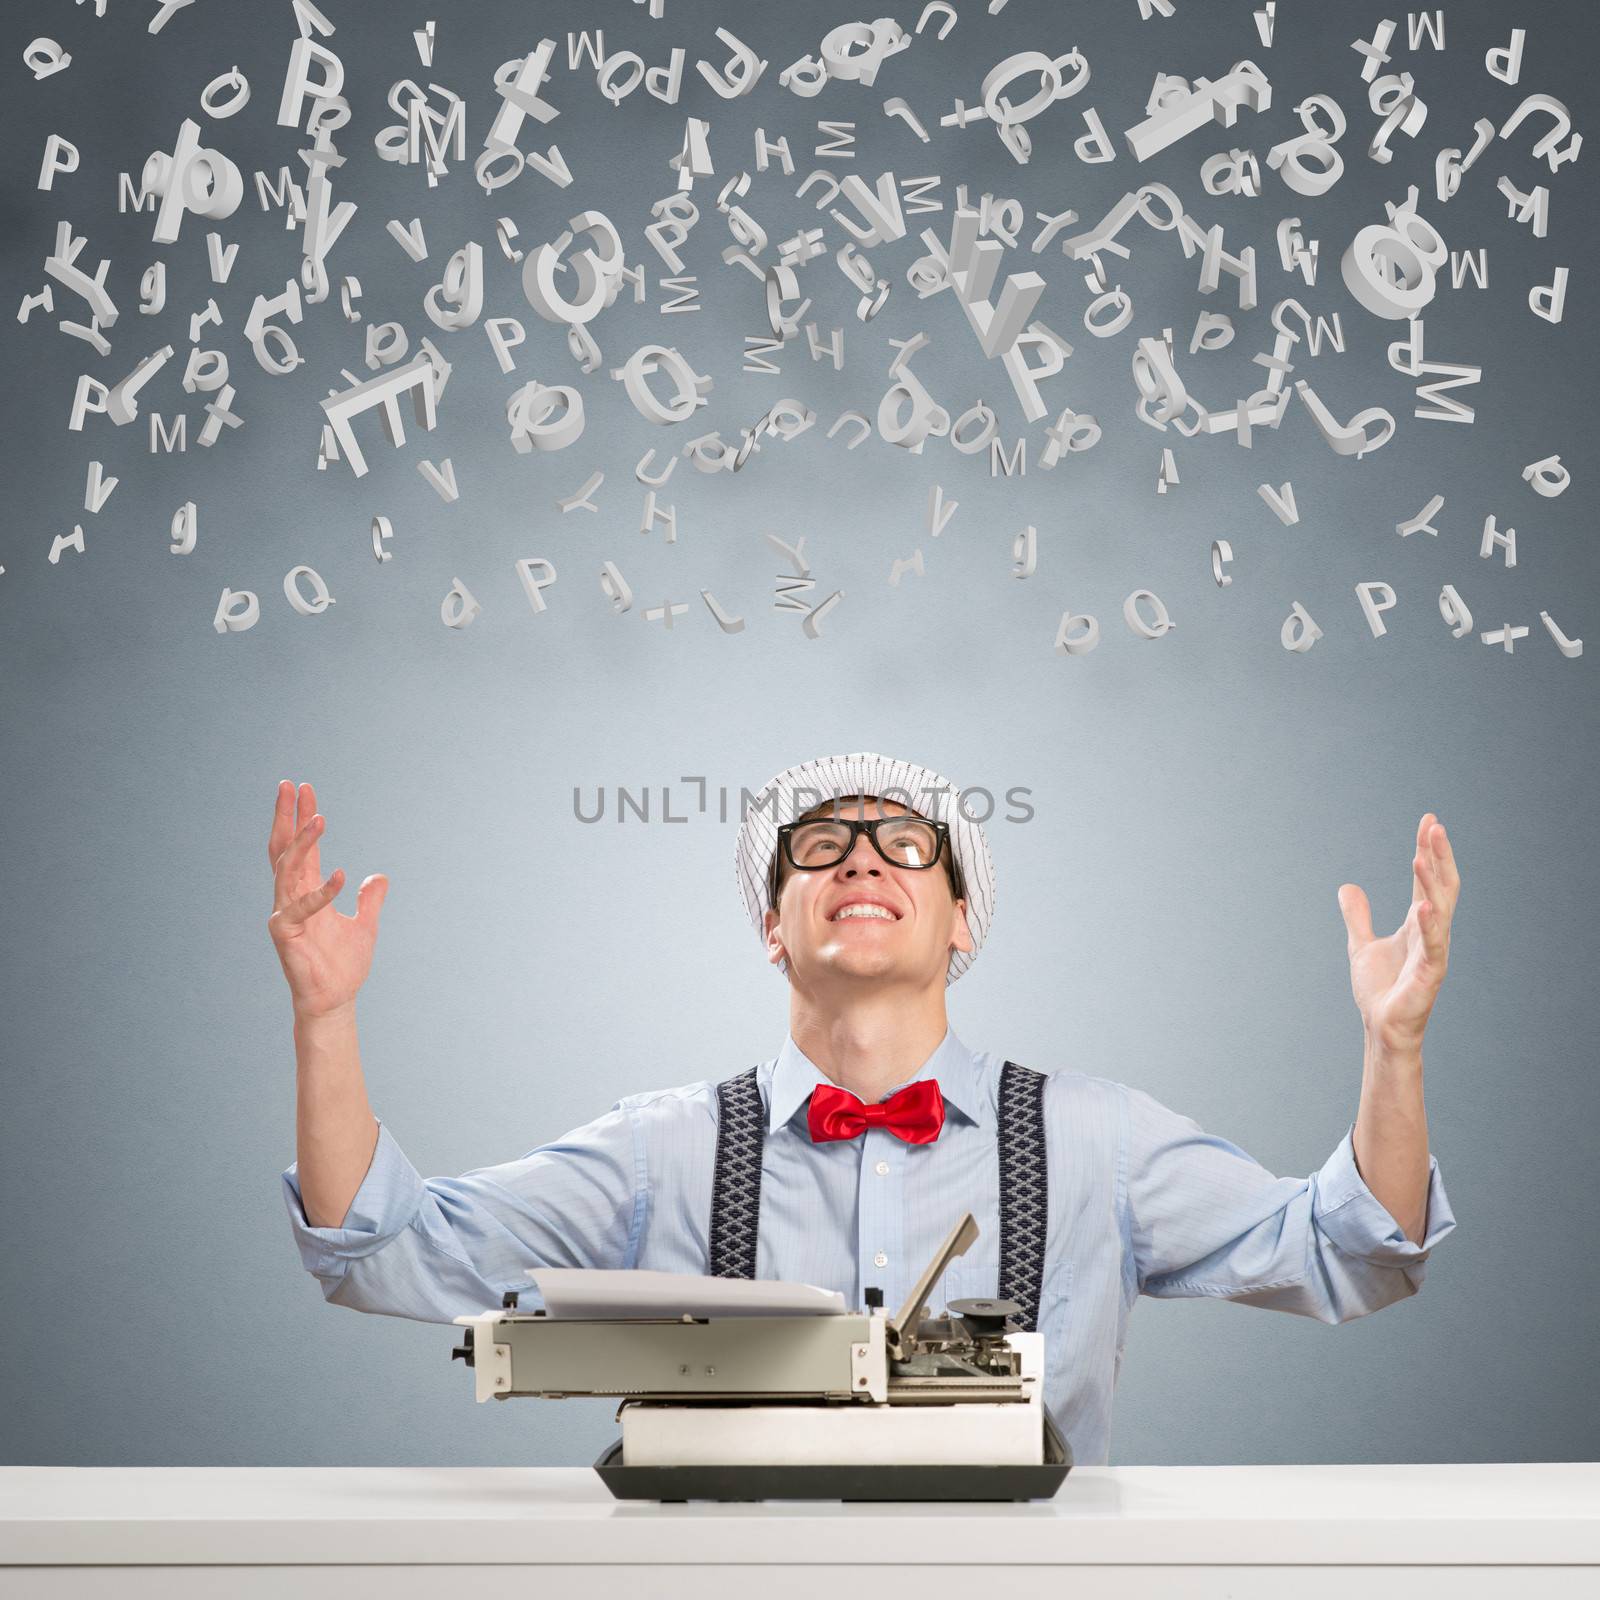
(882, 1169)
(880, 1260)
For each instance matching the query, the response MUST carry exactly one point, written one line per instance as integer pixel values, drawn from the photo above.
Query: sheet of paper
(608, 1293)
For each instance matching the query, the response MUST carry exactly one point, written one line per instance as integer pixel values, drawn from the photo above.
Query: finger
(307, 905)
(1428, 880)
(369, 899)
(1419, 875)
(282, 823)
(308, 811)
(306, 795)
(298, 864)
(1433, 934)
(1446, 858)
(1443, 880)
(1357, 916)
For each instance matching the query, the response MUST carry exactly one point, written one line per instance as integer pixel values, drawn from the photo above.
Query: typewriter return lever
(901, 1331)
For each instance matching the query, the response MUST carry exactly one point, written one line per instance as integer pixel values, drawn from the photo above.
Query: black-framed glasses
(913, 842)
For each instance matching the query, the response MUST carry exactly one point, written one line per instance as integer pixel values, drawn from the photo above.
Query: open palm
(325, 955)
(1396, 979)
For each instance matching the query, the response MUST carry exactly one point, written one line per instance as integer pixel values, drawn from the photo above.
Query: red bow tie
(915, 1113)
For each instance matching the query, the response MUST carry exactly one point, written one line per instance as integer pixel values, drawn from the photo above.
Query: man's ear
(769, 924)
(961, 934)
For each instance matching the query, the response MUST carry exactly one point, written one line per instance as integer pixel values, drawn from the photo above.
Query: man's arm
(1391, 1135)
(1204, 1218)
(1396, 981)
(335, 1130)
(431, 1249)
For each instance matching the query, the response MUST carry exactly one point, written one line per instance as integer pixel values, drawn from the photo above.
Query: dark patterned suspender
(736, 1183)
(1024, 1189)
(1024, 1183)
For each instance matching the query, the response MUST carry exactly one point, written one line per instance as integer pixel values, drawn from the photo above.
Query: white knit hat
(812, 783)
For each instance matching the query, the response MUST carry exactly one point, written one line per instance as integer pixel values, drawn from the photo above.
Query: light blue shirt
(1141, 1201)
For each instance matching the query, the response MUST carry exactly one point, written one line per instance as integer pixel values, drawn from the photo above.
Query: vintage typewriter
(723, 1399)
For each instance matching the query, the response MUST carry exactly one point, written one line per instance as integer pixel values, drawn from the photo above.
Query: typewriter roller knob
(464, 1352)
(874, 1297)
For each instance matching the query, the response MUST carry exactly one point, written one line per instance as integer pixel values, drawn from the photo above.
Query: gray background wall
(1167, 917)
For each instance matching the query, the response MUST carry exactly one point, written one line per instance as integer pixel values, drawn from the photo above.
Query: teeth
(864, 910)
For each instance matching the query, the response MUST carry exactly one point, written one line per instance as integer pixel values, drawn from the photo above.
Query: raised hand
(325, 955)
(1396, 979)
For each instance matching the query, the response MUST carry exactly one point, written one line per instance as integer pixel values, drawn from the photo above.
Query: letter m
(130, 198)
(1320, 331)
(285, 193)
(1420, 23)
(1464, 263)
(1446, 376)
(175, 438)
(998, 464)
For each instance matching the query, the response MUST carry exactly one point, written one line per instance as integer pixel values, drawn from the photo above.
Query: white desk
(1468, 1531)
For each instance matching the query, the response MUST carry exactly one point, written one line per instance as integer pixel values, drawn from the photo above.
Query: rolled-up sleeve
(437, 1248)
(1203, 1218)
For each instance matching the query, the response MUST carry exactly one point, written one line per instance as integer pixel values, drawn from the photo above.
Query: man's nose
(864, 848)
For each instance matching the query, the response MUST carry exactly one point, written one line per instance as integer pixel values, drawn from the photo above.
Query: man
(846, 1159)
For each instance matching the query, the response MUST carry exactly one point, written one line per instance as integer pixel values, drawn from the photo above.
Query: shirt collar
(795, 1075)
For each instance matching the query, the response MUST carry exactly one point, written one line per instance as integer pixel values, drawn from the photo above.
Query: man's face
(911, 948)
